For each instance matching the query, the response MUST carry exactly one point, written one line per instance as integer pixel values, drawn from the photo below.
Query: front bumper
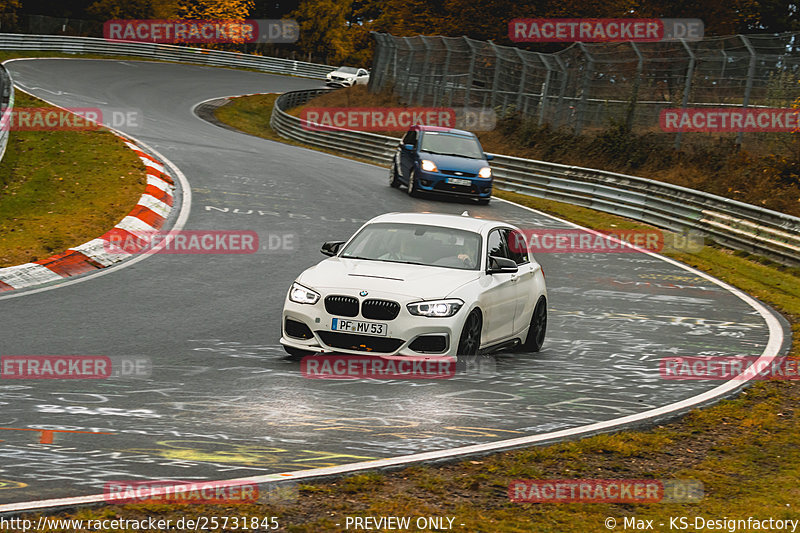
(339, 82)
(437, 182)
(407, 334)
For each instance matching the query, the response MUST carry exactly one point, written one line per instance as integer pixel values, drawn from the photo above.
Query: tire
(470, 340)
(538, 327)
(412, 184)
(393, 181)
(483, 201)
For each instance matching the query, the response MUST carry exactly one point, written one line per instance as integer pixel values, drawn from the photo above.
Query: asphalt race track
(224, 402)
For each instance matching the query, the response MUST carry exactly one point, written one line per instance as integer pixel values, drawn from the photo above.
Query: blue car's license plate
(458, 181)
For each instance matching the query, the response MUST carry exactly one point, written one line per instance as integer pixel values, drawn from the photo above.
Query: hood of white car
(415, 281)
(340, 74)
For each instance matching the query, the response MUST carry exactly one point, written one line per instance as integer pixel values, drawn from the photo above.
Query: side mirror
(331, 247)
(409, 147)
(501, 265)
(489, 157)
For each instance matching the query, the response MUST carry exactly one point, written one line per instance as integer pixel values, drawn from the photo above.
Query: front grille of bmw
(341, 305)
(372, 308)
(380, 309)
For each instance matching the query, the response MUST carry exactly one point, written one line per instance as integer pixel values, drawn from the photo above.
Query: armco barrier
(734, 224)
(161, 52)
(6, 106)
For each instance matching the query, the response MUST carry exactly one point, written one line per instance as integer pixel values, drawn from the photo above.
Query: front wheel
(470, 341)
(483, 201)
(538, 328)
(413, 189)
(394, 182)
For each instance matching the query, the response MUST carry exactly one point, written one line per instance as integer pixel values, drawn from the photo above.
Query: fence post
(496, 78)
(751, 72)
(445, 75)
(635, 92)
(522, 76)
(687, 87)
(561, 90)
(545, 87)
(587, 73)
(471, 73)
(426, 67)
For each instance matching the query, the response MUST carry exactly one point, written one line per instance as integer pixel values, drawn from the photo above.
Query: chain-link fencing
(591, 85)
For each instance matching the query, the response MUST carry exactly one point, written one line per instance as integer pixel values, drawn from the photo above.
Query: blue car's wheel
(413, 189)
(393, 180)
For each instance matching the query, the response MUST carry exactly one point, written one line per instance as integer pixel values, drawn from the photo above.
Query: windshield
(451, 144)
(347, 70)
(416, 244)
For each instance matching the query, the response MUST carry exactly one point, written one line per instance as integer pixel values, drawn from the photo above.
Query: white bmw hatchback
(419, 284)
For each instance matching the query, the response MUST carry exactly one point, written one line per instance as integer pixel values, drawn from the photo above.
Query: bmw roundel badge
(363, 293)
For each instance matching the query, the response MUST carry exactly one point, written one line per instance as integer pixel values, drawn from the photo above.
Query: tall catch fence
(590, 85)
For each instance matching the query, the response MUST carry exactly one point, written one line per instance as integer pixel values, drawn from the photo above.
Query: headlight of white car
(428, 166)
(435, 308)
(303, 295)
(485, 172)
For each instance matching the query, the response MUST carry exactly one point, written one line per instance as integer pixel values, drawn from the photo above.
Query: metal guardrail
(162, 52)
(734, 224)
(6, 107)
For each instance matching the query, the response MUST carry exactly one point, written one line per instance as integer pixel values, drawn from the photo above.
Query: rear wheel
(538, 328)
(394, 182)
(413, 189)
(470, 341)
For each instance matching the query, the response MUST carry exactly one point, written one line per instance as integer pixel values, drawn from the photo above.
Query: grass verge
(62, 188)
(745, 451)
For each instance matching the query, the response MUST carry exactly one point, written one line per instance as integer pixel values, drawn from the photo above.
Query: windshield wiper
(358, 257)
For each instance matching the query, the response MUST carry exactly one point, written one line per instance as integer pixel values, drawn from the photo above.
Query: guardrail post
(751, 72)
(687, 86)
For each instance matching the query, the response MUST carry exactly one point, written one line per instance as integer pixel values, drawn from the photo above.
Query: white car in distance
(347, 77)
(418, 284)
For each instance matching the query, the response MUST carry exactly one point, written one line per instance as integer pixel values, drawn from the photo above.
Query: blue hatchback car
(442, 160)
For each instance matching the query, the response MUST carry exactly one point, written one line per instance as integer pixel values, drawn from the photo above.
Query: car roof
(423, 127)
(442, 220)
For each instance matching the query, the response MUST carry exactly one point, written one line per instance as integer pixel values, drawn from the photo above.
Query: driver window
(410, 138)
(496, 245)
(517, 247)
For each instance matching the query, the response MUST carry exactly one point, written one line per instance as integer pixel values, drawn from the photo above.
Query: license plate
(362, 328)
(458, 181)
